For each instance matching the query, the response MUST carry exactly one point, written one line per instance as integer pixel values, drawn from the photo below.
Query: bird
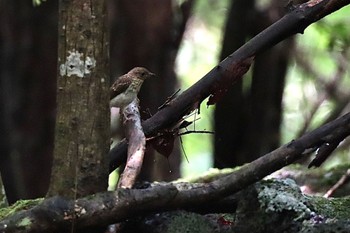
(125, 89)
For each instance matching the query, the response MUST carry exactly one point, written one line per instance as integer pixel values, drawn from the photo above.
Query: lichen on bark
(82, 122)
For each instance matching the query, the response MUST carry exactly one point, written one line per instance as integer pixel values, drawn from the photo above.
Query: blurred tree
(148, 33)
(331, 79)
(28, 64)
(321, 62)
(247, 120)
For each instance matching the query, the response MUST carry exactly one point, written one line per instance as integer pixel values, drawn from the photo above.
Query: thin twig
(195, 131)
(168, 100)
(341, 182)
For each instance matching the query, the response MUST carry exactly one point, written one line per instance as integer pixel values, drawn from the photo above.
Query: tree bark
(82, 125)
(28, 72)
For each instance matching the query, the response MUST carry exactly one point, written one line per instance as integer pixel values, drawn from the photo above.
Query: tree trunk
(28, 71)
(247, 122)
(82, 124)
(230, 113)
(145, 33)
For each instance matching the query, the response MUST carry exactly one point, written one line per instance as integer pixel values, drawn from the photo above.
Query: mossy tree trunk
(82, 123)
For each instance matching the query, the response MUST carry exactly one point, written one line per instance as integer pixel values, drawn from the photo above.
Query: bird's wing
(119, 86)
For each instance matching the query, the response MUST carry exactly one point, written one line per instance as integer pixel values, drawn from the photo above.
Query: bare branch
(196, 131)
(136, 145)
(294, 22)
(341, 182)
(101, 209)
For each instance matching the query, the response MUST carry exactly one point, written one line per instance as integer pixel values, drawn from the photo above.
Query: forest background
(291, 89)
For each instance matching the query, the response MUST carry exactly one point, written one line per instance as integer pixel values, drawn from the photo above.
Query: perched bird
(125, 89)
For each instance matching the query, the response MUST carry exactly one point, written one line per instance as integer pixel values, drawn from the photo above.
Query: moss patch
(18, 206)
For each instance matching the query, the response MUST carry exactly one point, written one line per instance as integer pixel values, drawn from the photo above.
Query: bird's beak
(153, 75)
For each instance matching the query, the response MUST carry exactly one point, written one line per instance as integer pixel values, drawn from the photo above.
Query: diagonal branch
(294, 22)
(56, 214)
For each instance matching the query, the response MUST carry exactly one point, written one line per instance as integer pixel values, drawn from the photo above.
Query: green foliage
(19, 205)
(332, 207)
(37, 2)
(199, 52)
(320, 45)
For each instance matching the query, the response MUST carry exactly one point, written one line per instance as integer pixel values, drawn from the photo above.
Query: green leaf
(37, 2)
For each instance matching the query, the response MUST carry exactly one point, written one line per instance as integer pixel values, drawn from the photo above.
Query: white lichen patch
(90, 63)
(25, 222)
(77, 64)
(280, 195)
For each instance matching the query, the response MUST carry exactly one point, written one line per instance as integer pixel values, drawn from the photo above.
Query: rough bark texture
(82, 125)
(28, 71)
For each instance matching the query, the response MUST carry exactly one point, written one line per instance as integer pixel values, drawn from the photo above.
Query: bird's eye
(143, 73)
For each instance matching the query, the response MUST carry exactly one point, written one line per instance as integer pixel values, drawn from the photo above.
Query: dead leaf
(229, 77)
